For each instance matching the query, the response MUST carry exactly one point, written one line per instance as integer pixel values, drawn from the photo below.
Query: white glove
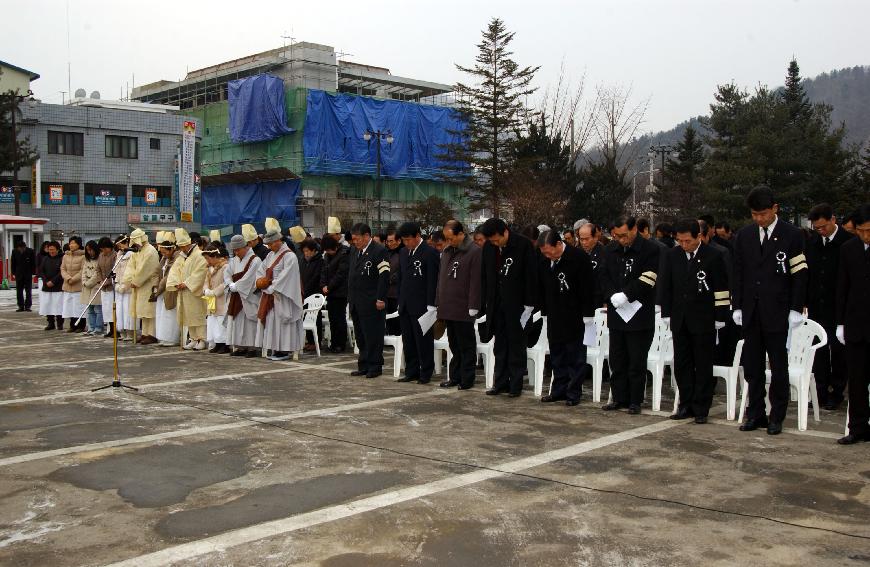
(719, 325)
(841, 334)
(618, 299)
(431, 308)
(667, 321)
(524, 318)
(737, 316)
(270, 290)
(588, 320)
(795, 319)
(208, 293)
(232, 287)
(472, 312)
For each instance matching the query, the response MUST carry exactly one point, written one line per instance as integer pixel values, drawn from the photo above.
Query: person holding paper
(458, 301)
(367, 282)
(567, 295)
(769, 296)
(628, 279)
(509, 281)
(693, 289)
(418, 278)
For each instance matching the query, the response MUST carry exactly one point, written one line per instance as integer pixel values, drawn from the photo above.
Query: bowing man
(367, 282)
(240, 278)
(280, 312)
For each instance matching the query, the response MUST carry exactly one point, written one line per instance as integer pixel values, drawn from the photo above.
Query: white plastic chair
(442, 344)
(800, 371)
(487, 352)
(661, 355)
(597, 354)
(351, 335)
(395, 341)
(535, 356)
(311, 308)
(324, 317)
(728, 373)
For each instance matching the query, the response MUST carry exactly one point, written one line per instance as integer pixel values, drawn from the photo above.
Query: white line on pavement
(222, 542)
(89, 361)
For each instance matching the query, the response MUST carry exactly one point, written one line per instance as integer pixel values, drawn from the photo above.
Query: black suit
(632, 271)
(23, 267)
(509, 282)
(767, 285)
(853, 312)
(723, 352)
(417, 282)
(367, 281)
(695, 296)
(829, 365)
(596, 257)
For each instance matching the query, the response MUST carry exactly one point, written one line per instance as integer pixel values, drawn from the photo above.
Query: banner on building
(105, 197)
(7, 194)
(36, 184)
(150, 196)
(55, 193)
(186, 182)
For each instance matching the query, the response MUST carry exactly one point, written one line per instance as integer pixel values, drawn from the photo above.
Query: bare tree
(615, 123)
(566, 112)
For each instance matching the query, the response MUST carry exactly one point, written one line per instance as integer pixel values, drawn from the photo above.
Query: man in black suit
(769, 292)
(367, 281)
(853, 323)
(823, 254)
(567, 295)
(509, 281)
(23, 267)
(629, 274)
(727, 337)
(416, 285)
(693, 289)
(588, 237)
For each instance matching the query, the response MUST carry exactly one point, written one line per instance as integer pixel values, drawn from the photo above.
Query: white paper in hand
(628, 310)
(590, 335)
(427, 319)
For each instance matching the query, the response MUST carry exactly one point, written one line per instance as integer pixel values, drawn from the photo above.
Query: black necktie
(764, 240)
(827, 240)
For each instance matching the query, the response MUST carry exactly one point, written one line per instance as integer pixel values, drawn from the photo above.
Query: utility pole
(388, 137)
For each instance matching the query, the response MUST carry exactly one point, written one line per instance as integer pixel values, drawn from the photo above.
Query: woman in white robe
(282, 328)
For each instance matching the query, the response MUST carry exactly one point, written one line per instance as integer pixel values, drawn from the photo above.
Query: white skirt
(72, 304)
(51, 302)
(166, 323)
(106, 302)
(215, 331)
(122, 311)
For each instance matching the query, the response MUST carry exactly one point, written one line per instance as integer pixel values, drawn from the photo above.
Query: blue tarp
(250, 203)
(257, 109)
(333, 136)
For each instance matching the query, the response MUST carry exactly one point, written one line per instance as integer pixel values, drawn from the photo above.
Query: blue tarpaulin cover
(257, 110)
(333, 136)
(250, 203)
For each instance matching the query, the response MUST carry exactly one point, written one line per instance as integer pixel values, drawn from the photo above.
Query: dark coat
(459, 281)
(333, 276)
(823, 264)
(632, 271)
(567, 294)
(368, 278)
(596, 257)
(727, 257)
(23, 263)
(684, 296)
(310, 271)
(393, 256)
(853, 299)
(509, 277)
(50, 269)
(261, 250)
(418, 279)
(775, 282)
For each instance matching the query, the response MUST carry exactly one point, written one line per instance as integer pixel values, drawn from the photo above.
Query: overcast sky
(674, 52)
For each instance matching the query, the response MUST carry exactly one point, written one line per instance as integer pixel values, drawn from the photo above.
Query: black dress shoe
(774, 428)
(239, 352)
(633, 409)
(753, 424)
(252, 354)
(572, 403)
(406, 379)
(19, 310)
(494, 392)
(448, 384)
(853, 438)
(612, 406)
(514, 394)
(359, 373)
(423, 381)
(465, 387)
(373, 374)
(700, 419)
(682, 413)
(548, 399)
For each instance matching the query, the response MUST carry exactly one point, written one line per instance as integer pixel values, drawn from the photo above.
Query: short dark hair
(821, 211)
(105, 242)
(52, 244)
(568, 231)
(665, 228)
(454, 226)
(438, 236)
(92, 244)
(688, 225)
(549, 238)
(723, 225)
(21, 244)
(760, 198)
(707, 218)
(308, 244)
(329, 243)
(77, 239)
(195, 238)
(409, 229)
(493, 226)
(360, 229)
(630, 222)
(391, 231)
(861, 214)
(705, 228)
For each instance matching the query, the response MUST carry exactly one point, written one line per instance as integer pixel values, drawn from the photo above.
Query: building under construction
(317, 160)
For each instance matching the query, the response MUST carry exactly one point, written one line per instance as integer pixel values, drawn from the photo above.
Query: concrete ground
(220, 461)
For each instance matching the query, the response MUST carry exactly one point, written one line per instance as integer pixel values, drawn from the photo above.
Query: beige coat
(191, 305)
(215, 283)
(71, 270)
(121, 271)
(143, 271)
(91, 280)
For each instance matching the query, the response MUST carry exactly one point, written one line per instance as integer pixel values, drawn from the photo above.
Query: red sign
(55, 193)
(150, 196)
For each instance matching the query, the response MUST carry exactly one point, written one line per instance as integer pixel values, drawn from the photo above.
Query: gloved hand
(431, 308)
(737, 316)
(841, 334)
(667, 321)
(524, 318)
(719, 325)
(232, 287)
(795, 319)
(270, 290)
(618, 299)
(472, 312)
(208, 293)
(588, 320)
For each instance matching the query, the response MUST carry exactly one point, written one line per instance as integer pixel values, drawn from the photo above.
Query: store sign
(150, 196)
(36, 184)
(105, 197)
(55, 193)
(186, 181)
(7, 194)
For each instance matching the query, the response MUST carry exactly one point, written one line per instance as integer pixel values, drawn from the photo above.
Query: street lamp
(16, 190)
(388, 138)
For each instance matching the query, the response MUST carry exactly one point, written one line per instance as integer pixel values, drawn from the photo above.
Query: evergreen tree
(680, 195)
(20, 152)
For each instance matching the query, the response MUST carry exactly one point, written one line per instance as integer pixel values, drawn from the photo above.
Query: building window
(155, 143)
(54, 193)
(105, 195)
(122, 147)
(66, 143)
(152, 196)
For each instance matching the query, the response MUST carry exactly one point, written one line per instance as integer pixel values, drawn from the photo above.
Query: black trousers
(829, 369)
(419, 348)
(463, 346)
(568, 361)
(336, 306)
(369, 333)
(723, 353)
(628, 353)
(24, 292)
(858, 361)
(394, 326)
(510, 352)
(758, 343)
(693, 370)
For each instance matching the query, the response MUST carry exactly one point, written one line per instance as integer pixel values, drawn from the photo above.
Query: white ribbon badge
(702, 281)
(780, 257)
(454, 270)
(368, 267)
(418, 268)
(508, 262)
(563, 285)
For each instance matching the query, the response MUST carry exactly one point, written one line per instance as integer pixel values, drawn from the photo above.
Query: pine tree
(494, 113)
(794, 95)
(15, 150)
(680, 196)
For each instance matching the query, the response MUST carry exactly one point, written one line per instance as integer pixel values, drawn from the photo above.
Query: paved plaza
(227, 461)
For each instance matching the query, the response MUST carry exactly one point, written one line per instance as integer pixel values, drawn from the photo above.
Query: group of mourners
(710, 287)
